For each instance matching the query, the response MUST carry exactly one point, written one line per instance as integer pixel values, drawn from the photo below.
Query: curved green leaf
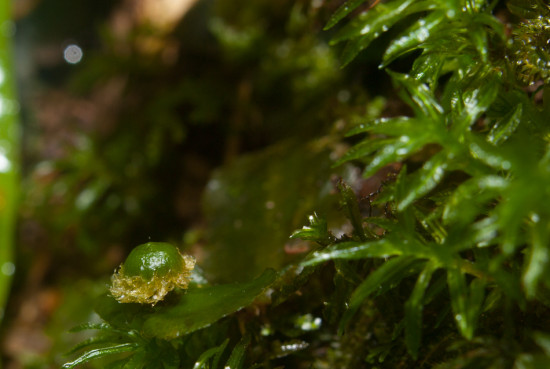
(413, 37)
(413, 310)
(342, 11)
(200, 307)
(101, 352)
(423, 181)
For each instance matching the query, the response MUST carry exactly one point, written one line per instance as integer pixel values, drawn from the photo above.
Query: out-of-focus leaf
(101, 352)
(390, 126)
(363, 149)
(537, 259)
(282, 349)
(9, 148)
(490, 155)
(531, 361)
(526, 9)
(397, 151)
(391, 272)
(413, 310)
(342, 11)
(200, 307)
(466, 201)
(211, 354)
(265, 193)
(236, 360)
(466, 301)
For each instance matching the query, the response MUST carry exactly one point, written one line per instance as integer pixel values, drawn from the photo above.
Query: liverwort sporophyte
(150, 271)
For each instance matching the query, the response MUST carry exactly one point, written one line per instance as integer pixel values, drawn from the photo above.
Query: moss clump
(151, 271)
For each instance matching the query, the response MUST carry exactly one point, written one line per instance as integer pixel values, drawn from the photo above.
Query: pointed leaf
(537, 259)
(342, 11)
(465, 301)
(504, 127)
(419, 95)
(413, 310)
(401, 148)
(317, 231)
(236, 360)
(101, 352)
(362, 150)
(383, 248)
(214, 352)
(370, 24)
(424, 180)
(413, 37)
(466, 202)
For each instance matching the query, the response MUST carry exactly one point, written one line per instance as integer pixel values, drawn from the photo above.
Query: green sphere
(153, 258)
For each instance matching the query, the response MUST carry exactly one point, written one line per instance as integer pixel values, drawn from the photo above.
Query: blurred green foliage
(238, 128)
(9, 154)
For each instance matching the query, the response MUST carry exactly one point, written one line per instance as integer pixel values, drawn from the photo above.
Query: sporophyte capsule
(150, 271)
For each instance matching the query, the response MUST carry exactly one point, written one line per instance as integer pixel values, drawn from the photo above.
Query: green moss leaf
(200, 307)
(413, 310)
(101, 352)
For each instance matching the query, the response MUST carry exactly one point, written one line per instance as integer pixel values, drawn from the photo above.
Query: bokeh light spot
(73, 54)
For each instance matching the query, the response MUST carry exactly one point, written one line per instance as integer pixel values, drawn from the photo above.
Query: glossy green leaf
(413, 37)
(342, 11)
(317, 231)
(102, 340)
(362, 150)
(200, 307)
(470, 104)
(355, 250)
(397, 151)
(427, 68)
(506, 126)
(423, 181)
(420, 96)
(101, 352)
(413, 310)
(392, 126)
(370, 25)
